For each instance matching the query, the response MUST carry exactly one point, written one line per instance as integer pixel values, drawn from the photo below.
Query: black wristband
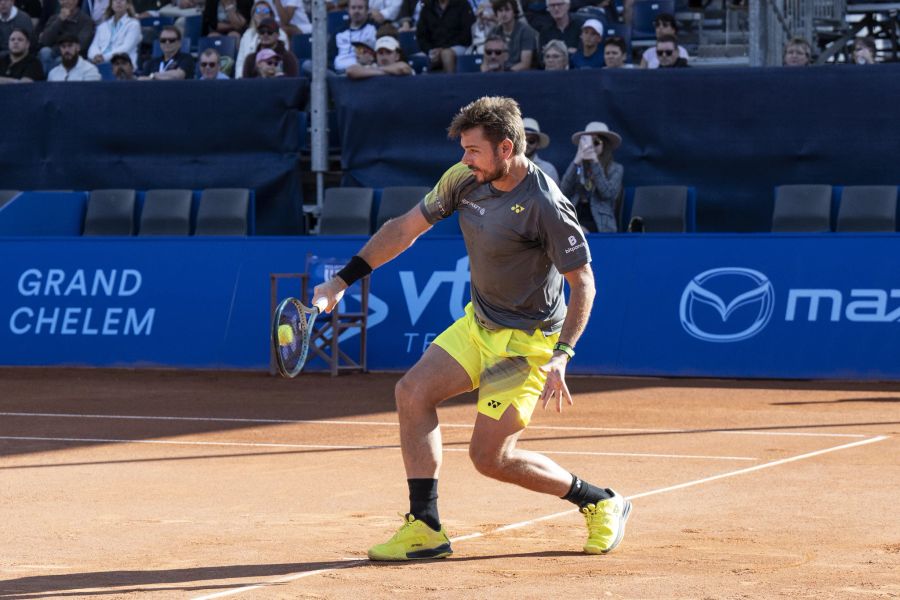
(565, 349)
(355, 269)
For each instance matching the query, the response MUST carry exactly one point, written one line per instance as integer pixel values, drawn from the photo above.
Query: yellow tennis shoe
(606, 523)
(415, 540)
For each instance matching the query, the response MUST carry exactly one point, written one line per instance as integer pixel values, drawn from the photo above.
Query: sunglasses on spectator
(665, 52)
(262, 10)
(556, 4)
(208, 65)
(494, 52)
(167, 40)
(271, 63)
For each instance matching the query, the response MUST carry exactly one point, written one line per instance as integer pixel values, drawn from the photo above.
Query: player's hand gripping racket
(291, 330)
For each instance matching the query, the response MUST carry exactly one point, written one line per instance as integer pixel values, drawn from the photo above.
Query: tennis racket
(291, 330)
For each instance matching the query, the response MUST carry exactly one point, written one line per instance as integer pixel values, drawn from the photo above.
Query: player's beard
(500, 170)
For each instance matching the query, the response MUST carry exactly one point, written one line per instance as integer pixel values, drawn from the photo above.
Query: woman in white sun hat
(593, 181)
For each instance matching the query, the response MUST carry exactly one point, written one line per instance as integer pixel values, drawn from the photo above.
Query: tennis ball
(285, 335)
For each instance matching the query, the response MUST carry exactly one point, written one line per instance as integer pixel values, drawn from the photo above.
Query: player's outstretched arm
(389, 241)
(581, 299)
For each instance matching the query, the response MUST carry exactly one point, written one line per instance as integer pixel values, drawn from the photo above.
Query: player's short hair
(499, 117)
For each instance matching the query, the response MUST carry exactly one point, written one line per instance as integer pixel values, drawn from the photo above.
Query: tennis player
(515, 339)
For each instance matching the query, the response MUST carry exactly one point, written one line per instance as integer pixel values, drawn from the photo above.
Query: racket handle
(321, 304)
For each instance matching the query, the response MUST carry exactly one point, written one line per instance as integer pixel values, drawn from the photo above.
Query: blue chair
(157, 23)
(419, 63)
(192, 29)
(106, 73)
(469, 63)
(185, 47)
(224, 44)
(337, 21)
(408, 43)
(643, 14)
(301, 46)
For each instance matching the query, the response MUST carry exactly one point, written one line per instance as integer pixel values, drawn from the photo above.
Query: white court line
(395, 424)
(521, 524)
(22, 438)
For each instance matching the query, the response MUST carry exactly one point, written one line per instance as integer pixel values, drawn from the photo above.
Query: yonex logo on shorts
(493, 403)
(707, 316)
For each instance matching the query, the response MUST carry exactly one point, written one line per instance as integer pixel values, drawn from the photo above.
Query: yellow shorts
(504, 365)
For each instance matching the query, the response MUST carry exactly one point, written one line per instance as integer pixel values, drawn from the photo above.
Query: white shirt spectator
(346, 55)
(113, 38)
(82, 71)
(300, 20)
(389, 9)
(652, 59)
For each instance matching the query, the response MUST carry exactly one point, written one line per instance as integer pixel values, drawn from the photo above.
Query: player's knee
(405, 393)
(487, 461)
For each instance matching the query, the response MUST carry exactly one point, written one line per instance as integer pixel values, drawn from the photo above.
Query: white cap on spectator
(387, 42)
(595, 25)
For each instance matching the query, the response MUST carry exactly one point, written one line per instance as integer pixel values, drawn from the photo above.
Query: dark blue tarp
(142, 135)
(734, 134)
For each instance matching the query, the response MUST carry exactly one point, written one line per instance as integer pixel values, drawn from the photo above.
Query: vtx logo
(710, 304)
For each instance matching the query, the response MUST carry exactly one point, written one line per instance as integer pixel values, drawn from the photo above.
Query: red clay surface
(207, 502)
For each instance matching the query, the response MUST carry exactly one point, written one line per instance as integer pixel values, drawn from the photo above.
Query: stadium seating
(337, 21)
(223, 211)
(802, 208)
(301, 46)
(166, 212)
(225, 45)
(644, 12)
(469, 63)
(663, 208)
(408, 43)
(346, 211)
(106, 72)
(868, 208)
(110, 212)
(419, 63)
(193, 26)
(396, 201)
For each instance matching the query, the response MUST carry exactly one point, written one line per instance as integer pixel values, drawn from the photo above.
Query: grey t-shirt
(519, 242)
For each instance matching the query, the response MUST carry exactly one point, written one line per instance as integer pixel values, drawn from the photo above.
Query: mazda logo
(728, 304)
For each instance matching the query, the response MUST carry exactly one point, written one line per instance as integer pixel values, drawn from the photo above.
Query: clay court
(178, 484)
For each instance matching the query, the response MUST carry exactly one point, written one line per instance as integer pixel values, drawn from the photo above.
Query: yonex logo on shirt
(517, 208)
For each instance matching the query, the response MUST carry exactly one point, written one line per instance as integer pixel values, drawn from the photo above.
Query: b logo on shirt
(572, 240)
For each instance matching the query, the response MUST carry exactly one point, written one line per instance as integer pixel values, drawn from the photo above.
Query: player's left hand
(555, 386)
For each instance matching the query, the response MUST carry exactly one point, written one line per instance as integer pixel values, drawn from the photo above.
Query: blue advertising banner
(786, 306)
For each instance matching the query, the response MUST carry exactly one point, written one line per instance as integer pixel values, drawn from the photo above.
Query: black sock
(423, 501)
(583, 493)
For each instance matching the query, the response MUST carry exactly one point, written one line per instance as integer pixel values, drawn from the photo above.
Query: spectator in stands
(358, 30)
(69, 19)
(388, 61)
(521, 40)
(120, 32)
(590, 56)
(19, 65)
(292, 16)
(210, 65)
(614, 52)
(72, 66)
(593, 181)
(663, 24)
(173, 64)
(262, 10)
(226, 17)
(268, 39)
(384, 11)
(182, 8)
(408, 19)
(534, 141)
(33, 9)
(444, 32)
(96, 9)
(864, 51)
(564, 27)
(267, 63)
(484, 24)
(667, 53)
(797, 53)
(496, 55)
(555, 56)
(13, 18)
(122, 67)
